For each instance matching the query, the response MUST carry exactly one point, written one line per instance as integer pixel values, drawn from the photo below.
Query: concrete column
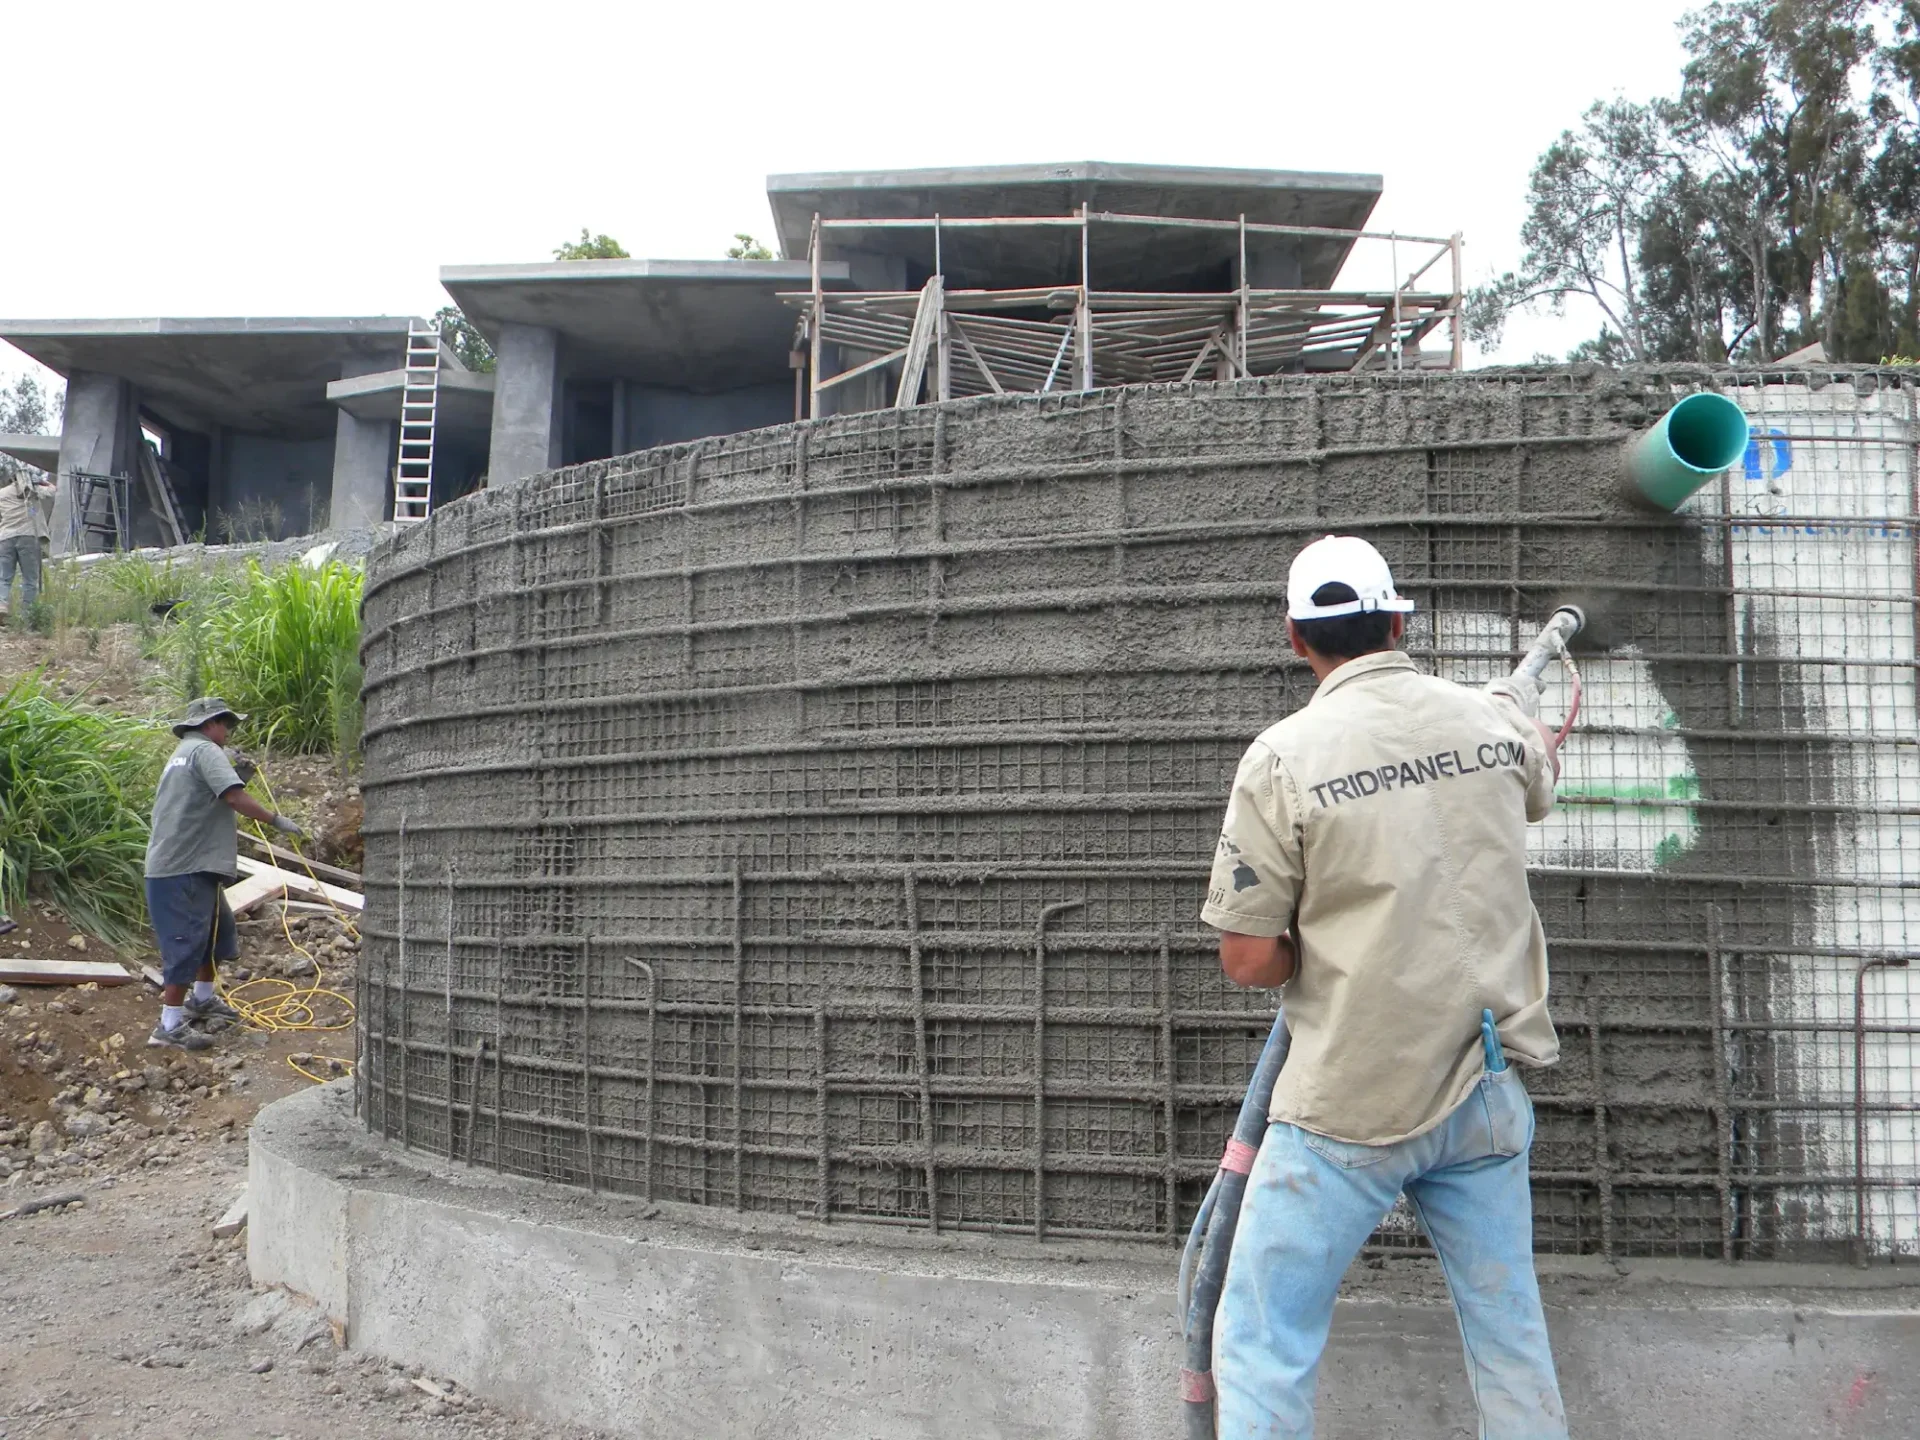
(363, 458)
(98, 435)
(362, 467)
(526, 404)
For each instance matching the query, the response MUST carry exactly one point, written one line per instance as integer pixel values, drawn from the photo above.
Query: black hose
(1203, 1268)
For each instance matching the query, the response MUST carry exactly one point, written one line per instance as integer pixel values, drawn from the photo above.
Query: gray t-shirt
(193, 830)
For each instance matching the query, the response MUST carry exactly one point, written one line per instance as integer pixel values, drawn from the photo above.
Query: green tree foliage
(29, 408)
(590, 247)
(467, 343)
(745, 247)
(1773, 201)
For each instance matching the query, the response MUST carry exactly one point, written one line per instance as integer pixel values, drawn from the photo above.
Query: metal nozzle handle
(1566, 623)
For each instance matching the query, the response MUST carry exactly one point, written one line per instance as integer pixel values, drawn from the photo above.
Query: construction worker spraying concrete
(1373, 859)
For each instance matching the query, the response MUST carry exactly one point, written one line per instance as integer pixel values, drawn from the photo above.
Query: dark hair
(1345, 636)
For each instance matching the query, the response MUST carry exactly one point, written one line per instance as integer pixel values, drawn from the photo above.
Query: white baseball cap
(1342, 560)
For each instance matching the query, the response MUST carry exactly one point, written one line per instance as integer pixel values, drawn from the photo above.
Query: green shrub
(278, 645)
(348, 676)
(76, 785)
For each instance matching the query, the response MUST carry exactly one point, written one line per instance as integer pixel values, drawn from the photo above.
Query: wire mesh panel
(816, 820)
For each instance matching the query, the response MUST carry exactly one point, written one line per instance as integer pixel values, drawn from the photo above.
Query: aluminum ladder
(419, 403)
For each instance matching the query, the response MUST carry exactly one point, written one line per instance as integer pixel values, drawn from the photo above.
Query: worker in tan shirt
(1373, 861)
(22, 526)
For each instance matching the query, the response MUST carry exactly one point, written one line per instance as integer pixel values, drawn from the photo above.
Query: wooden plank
(985, 372)
(816, 314)
(235, 1219)
(158, 495)
(1458, 337)
(61, 972)
(926, 325)
(45, 1202)
(1108, 217)
(300, 863)
(244, 895)
(859, 370)
(346, 899)
(1199, 360)
(978, 222)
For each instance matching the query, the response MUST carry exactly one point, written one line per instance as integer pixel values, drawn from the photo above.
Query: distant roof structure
(40, 451)
(263, 376)
(696, 324)
(463, 401)
(1134, 258)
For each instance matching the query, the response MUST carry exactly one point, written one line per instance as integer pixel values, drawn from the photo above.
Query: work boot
(180, 1037)
(211, 1009)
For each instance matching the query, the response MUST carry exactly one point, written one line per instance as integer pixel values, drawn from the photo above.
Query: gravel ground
(126, 1319)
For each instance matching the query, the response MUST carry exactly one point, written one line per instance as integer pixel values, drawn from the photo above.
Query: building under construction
(791, 780)
(894, 289)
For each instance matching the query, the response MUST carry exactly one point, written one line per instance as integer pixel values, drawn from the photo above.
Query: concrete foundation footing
(650, 1320)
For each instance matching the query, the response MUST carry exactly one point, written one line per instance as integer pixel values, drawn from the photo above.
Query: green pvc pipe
(1693, 442)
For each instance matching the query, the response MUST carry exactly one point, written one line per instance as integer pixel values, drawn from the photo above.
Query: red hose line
(1573, 708)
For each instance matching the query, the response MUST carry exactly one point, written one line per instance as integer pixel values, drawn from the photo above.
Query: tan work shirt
(20, 505)
(1386, 822)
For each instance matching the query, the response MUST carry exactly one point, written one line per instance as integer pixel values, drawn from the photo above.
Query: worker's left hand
(290, 828)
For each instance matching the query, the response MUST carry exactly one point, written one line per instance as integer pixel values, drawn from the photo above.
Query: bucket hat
(199, 712)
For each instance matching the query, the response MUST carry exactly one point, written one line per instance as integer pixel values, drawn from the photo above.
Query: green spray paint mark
(1677, 790)
(1649, 797)
(1668, 851)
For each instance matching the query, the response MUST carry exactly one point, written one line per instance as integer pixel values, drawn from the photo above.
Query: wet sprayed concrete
(651, 1320)
(865, 771)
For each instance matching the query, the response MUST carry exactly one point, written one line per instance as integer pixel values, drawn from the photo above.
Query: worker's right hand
(288, 828)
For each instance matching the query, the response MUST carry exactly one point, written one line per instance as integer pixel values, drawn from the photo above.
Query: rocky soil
(127, 1320)
(125, 1316)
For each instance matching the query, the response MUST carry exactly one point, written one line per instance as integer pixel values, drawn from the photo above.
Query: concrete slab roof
(698, 324)
(42, 451)
(1131, 258)
(263, 376)
(464, 405)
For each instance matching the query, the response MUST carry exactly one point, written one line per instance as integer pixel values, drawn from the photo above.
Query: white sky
(273, 159)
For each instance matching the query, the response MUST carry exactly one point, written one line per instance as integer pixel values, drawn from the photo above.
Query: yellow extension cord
(281, 1006)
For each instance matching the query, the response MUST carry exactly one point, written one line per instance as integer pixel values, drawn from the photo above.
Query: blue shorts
(192, 923)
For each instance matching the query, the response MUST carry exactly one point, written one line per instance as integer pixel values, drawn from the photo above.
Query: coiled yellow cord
(282, 1006)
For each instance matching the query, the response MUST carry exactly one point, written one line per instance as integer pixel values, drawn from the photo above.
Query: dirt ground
(125, 1317)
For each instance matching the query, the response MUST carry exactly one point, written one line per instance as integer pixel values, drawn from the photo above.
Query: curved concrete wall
(814, 820)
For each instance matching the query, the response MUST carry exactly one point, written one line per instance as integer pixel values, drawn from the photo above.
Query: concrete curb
(664, 1320)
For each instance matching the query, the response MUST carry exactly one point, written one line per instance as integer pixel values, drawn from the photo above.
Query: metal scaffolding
(936, 343)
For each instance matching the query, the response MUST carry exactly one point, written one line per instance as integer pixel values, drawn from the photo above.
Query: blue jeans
(20, 552)
(1311, 1204)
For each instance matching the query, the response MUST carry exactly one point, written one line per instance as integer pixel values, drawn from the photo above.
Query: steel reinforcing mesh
(815, 820)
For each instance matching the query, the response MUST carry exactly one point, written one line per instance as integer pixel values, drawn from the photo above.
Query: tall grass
(119, 590)
(282, 646)
(75, 787)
